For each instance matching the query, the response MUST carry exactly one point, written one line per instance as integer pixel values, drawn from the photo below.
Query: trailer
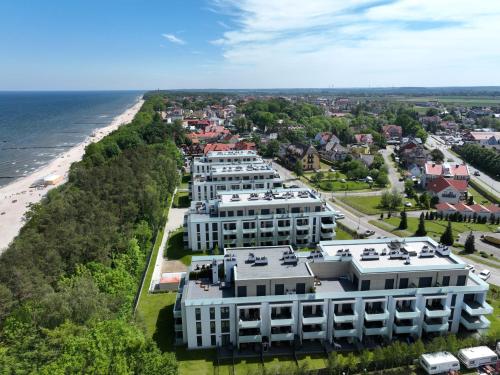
(477, 356)
(439, 362)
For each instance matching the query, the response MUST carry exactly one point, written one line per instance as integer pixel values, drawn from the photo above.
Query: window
(224, 326)
(265, 211)
(279, 289)
(199, 341)
(212, 313)
(365, 284)
(213, 340)
(446, 281)
(251, 212)
(212, 327)
(242, 291)
(198, 328)
(453, 300)
(425, 282)
(261, 290)
(240, 213)
(403, 283)
(197, 312)
(389, 283)
(300, 288)
(224, 312)
(461, 280)
(226, 340)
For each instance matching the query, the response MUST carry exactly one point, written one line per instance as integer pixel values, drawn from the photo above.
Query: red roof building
(448, 190)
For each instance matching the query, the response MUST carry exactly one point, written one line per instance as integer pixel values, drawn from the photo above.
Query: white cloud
(173, 39)
(299, 43)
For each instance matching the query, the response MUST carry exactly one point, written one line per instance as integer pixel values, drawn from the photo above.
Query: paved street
(436, 142)
(393, 172)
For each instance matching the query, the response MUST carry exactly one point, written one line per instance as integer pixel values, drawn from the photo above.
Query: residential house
(291, 154)
(326, 137)
(475, 210)
(334, 152)
(447, 189)
(392, 132)
(454, 171)
(366, 139)
(490, 139)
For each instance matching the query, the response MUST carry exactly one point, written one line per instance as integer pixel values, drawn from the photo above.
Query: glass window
(224, 325)
(242, 291)
(389, 283)
(199, 341)
(446, 280)
(226, 339)
(261, 290)
(224, 312)
(403, 283)
(213, 340)
(279, 289)
(198, 328)
(425, 282)
(461, 280)
(212, 327)
(197, 312)
(365, 284)
(212, 313)
(300, 288)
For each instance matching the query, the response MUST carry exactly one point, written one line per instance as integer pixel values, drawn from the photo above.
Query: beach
(16, 197)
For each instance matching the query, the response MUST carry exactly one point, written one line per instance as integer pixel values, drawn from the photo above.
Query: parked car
(408, 204)
(476, 173)
(470, 267)
(369, 232)
(342, 180)
(339, 216)
(485, 274)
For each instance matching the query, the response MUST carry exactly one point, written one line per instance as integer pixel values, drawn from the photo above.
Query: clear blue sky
(127, 44)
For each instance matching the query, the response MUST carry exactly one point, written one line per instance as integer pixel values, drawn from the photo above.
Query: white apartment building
(230, 170)
(342, 293)
(259, 218)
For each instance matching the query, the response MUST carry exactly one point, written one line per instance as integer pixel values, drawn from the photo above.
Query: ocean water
(35, 127)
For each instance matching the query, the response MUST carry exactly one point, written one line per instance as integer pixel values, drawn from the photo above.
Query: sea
(35, 127)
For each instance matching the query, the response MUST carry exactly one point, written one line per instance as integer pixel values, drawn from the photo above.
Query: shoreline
(18, 195)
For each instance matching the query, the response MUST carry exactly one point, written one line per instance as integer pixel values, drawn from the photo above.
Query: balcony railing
(375, 331)
(327, 226)
(405, 329)
(473, 323)
(437, 311)
(345, 332)
(267, 229)
(313, 319)
(378, 314)
(313, 335)
(475, 308)
(438, 327)
(326, 235)
(249, 339)
(407, 313)
(249, 323)
(345, 317)
(282, 336)
(282, 320)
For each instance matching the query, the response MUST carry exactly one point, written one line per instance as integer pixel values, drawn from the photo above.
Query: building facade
(342, 293)
(259, 218)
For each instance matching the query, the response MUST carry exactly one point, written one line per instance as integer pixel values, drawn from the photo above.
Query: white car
(408, 204)
(470, 267)
(485, 274)
(339, 216)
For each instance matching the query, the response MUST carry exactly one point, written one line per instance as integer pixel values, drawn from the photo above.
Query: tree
(470, 200)
(469, 245)
(409, 188)
(437, 155)
(425, 200)
(299, 169)
(403, 224)
(391, 199)
(421, 231)
(382, 179)
(447, 236)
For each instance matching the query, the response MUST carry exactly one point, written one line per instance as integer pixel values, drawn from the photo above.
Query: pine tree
(421, 227)
(447, 236)
(469, 244)
(403, 224)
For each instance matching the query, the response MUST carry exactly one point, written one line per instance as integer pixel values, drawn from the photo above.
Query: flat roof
(477, 352)
(232, 153)
(275, 268)
(267, 197)
(385, 263)
(437, 358)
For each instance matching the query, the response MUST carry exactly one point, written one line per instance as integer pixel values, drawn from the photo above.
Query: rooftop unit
(289, 257)
(344, 254)
(369, 254)
(443, 250)
(426, 252)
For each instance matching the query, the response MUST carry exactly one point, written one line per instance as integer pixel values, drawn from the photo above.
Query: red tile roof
(444, 206)
(439, 184)
(434, 169)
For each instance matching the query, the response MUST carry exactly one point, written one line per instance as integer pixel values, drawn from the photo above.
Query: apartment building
(340, 294)
(220, 171)
(259, 218)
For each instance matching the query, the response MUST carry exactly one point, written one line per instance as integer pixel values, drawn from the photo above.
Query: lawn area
(434, 227)
(186, 177)
(176, 250)
(478, 198)
(343, 186)
(181, 200)
(490, 261)
(370, 204)
(342, 235)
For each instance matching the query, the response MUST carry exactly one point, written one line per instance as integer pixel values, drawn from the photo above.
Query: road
(489, 183)
(393, 172)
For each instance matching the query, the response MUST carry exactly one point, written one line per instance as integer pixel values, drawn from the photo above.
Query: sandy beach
(16, 197)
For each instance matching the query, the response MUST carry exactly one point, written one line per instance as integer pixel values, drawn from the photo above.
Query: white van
(477, 356)
(439, 362)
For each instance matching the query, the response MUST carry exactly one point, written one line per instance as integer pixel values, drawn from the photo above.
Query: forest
(69, 279)
(485, 159)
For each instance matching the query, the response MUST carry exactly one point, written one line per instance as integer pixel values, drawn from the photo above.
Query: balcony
(407, 313)
(249, 323)
(327, 235)
(437, 311)
(249, 230)
(472, 323)
(249, 339)
(353, 332)
(282, 336)
(475, 308)
(280, 321)
(309, 317)
(285, 227)
(375, 331)
(413, 329)
(345, 317)
(376, 314)
(314, 335)
(230, 231)
(327, 226)
(302, 226)
(437, 327)
(283, 238)
(267, 229)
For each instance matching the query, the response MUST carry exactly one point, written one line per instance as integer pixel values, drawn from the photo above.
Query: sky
(184, 44)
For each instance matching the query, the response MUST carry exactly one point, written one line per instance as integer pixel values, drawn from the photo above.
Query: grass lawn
(370, 204)
(478, 197)
(342, 186)
(342, 235)
(176, 250)
(181, 200)
(435, 228)
(186, 177)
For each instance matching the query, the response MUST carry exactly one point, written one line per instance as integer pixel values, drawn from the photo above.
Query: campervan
(477, 356)
(439, 362)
